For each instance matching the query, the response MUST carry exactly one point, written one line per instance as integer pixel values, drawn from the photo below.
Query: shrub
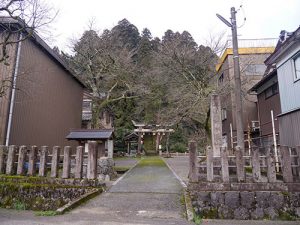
(178, 147)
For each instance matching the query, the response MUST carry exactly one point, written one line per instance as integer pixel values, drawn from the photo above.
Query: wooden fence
(34, 161)
(261, 165)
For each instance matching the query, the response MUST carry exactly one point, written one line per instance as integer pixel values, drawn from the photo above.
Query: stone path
(148, 194)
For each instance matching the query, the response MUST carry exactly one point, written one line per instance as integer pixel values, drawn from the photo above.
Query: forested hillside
(143, 78)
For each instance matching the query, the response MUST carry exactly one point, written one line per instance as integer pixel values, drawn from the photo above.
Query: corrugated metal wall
(48, 102)
(265, 107)
(6, 73)
(289, 128)
(289, 89)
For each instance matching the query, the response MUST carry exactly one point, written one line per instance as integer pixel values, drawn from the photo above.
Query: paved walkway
(148, 194)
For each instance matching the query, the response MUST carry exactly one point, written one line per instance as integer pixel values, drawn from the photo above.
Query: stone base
(105, 169)
(244, 205)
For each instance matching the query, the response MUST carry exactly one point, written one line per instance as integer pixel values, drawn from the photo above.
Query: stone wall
(244, 205)
(38, 193)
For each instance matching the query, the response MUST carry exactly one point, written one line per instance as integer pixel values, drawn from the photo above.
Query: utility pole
(237, 82)
(237, 79)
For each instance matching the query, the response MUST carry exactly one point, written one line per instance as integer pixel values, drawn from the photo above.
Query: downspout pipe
(13, 92)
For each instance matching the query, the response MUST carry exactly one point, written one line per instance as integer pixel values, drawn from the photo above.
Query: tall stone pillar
(216, 124)
(110, 148)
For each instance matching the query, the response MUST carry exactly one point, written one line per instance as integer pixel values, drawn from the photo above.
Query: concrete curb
(187, 199)
(177, 177)
(188, 206)
(77, 201)
(120, 178)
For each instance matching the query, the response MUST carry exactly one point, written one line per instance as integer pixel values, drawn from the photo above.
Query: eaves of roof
(285, 46)
(263, 80)
(44, 46)
(243, 51)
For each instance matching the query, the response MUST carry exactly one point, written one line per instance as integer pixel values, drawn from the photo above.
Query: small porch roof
(90, 134)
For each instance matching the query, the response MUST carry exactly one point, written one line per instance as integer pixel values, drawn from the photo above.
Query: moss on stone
(286, 216)
(211, 213)
(46, 213)
(37, 196)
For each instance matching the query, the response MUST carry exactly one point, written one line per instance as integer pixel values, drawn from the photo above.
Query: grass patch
(248, 170)
(151, 161)
(197, 219)
(46, 213)
(19, 205)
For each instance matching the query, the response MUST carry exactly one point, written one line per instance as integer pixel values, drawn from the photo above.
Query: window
(224, 114)
(273, 90)
(255, 69)
(297, 67)
(221, 79)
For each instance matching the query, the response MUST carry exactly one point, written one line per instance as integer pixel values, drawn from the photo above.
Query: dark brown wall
(6, 73)
(48, 102)
(265, 106)
(289, 128)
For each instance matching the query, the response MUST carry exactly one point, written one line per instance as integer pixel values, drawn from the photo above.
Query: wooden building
(286, 57)
(268, 104)
(47, 99)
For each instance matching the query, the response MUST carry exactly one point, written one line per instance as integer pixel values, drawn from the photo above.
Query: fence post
(193, 175)
(209, 163)
(11, 159)
(55, 161)
(3, 150)
(92, 160)
(286, 164)
(224, 164)
(271, 172)
(256, 173)
(240, 163)
(298, 161)
(32, 160)
(21, 160)
(43, 161)
(110, 149)
(79, 161)
(66, 163)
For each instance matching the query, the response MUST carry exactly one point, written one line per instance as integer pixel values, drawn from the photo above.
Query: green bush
(178, 147)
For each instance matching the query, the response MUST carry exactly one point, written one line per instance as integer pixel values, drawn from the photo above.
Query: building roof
(283, 45)
(43, 45)
(131, 136)
(248, 46)
(90, 134)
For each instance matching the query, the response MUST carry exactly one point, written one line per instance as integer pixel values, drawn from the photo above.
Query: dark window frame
(296, 73)
(273, 90)
(221, 79)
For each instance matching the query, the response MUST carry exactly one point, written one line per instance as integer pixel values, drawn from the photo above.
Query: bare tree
(107, 69)
(19, 20)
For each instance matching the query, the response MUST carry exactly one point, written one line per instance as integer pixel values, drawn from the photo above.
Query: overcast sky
(265, 18)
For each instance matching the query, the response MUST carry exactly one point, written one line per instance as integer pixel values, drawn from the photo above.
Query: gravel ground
(180, 165)
(125, 161)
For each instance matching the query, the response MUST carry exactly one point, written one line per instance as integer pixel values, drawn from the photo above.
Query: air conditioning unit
(255, 126)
